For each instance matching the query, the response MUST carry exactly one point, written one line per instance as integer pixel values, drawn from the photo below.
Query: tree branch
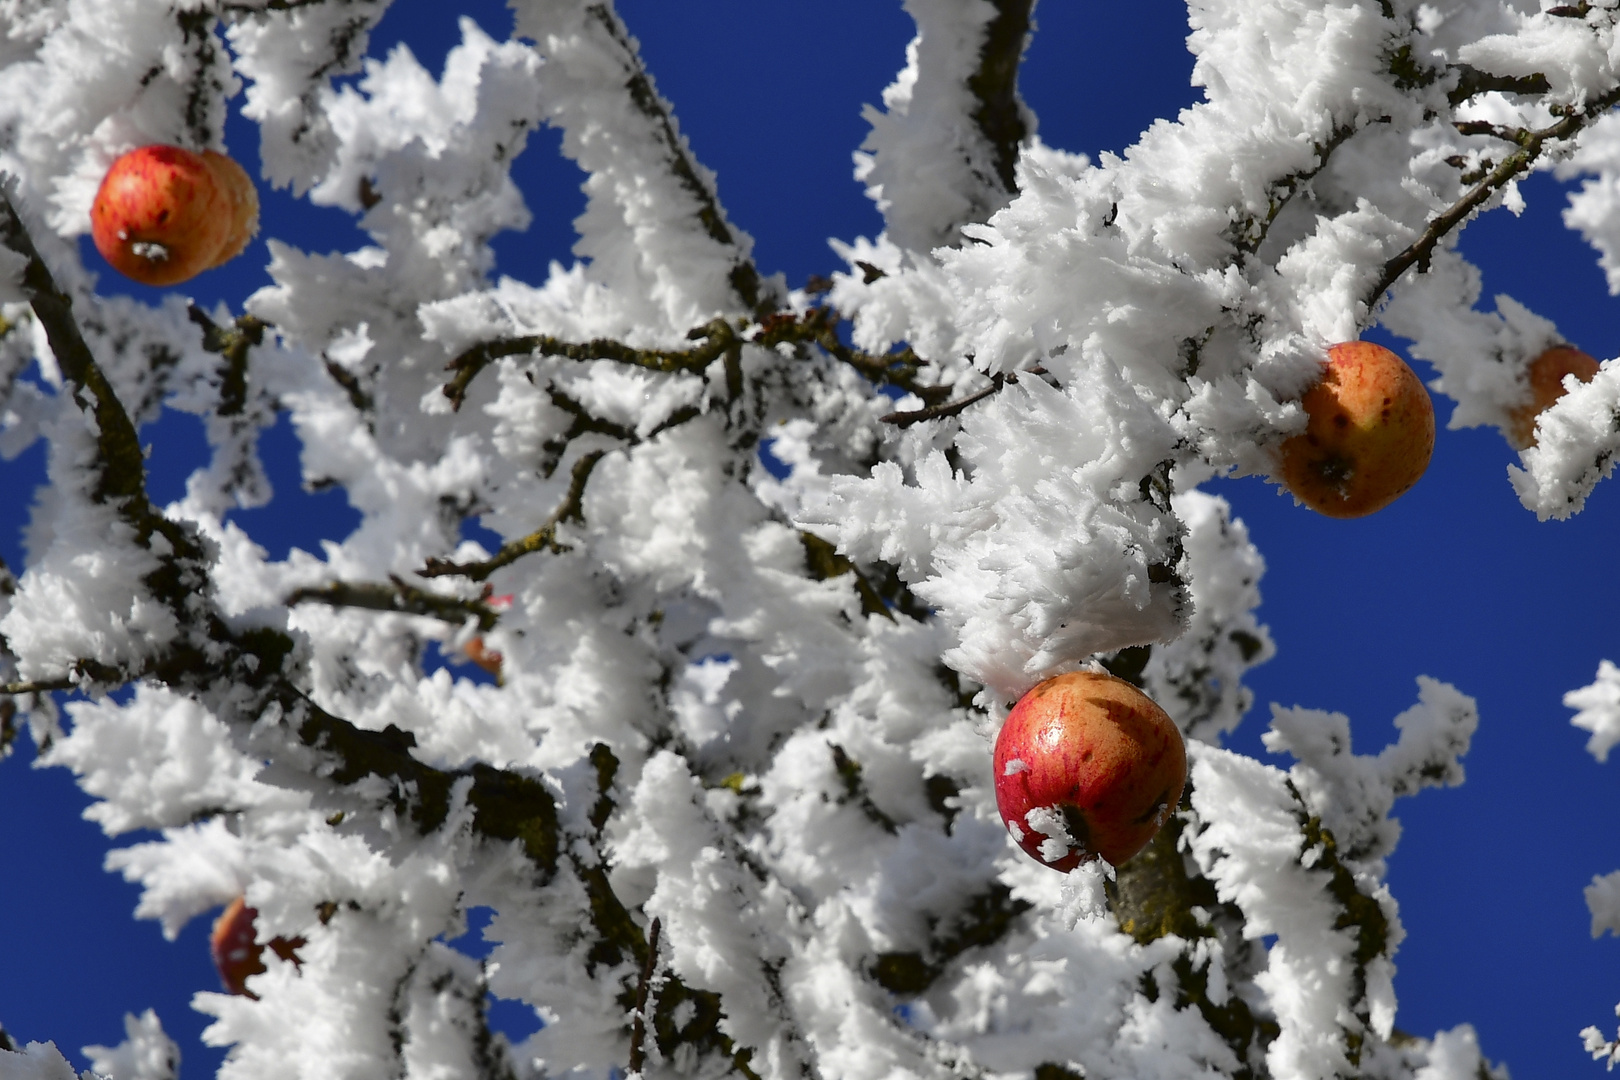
(233, 344)
(951, 408)
(399, 596)
(37, 686)
(995, 85)
(543, 537)
(818, 326)
(246, 670)
(1531, 146)
(744, 277)
(638, 1029)
(119, 467)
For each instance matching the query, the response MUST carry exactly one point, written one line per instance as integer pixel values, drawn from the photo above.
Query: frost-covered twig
(744, 277)
(398, 595)
(507, 806)
(1531, 145)
(995, 85)
(233, 344)
(638, 1029)
(120, 465)
(818, 326)
(37, 686)
(543, 537)
(952, 408)
(717, 336)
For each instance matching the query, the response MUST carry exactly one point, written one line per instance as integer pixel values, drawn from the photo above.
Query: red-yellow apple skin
(1100, 755)
(1546, 376)
(244, 200)
(235, 948)
(164, 214)
(1369, 431)
(236, 951)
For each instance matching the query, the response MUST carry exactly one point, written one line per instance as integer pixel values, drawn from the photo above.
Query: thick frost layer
(1598, 710)
(145, 1054)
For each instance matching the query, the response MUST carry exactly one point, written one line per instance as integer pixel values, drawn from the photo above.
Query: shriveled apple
(1368, 435)
(1085, 766)
(1546, 377)
(164, 214)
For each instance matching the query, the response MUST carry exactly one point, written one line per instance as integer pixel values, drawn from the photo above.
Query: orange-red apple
(236, 951)
(1369, 431)
(1546, 375)
(1087, 765)
(164, 214)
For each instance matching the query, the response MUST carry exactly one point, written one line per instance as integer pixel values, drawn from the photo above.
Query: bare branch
(543, 537)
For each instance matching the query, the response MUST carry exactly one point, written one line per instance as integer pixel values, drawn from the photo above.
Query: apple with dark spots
(1369, 432)
(237, 952)
(1086, 766)
(1546, 377)
(164, 214)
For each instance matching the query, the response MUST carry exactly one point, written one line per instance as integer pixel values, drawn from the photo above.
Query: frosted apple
(236, 951)
(1087, 765)
(1546, 377)
(1368, 434)
(164, 214)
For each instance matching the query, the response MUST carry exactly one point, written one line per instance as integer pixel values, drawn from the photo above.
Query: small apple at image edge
(1369, 433)
(1087, 766)
(164, 214)
(1545, 375)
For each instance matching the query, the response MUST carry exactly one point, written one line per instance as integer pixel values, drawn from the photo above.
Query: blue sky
(1455, 580)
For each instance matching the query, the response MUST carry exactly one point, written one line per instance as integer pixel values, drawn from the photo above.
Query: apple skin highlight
(1368, 435)
(164, 214)
(1087, 765)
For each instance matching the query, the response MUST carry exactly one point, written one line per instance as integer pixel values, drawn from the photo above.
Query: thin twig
(818, 326)
(638, 1027)
(37, 686)
(233, 344)
(717, 335)
(1516, 163)
(543, 537)
(400, 596)
(951, 408)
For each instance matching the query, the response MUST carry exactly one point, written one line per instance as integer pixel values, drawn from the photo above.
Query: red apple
(164, 214)
(1368, 434)
(237, 953)
(1546, 376)
(1087, 765)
